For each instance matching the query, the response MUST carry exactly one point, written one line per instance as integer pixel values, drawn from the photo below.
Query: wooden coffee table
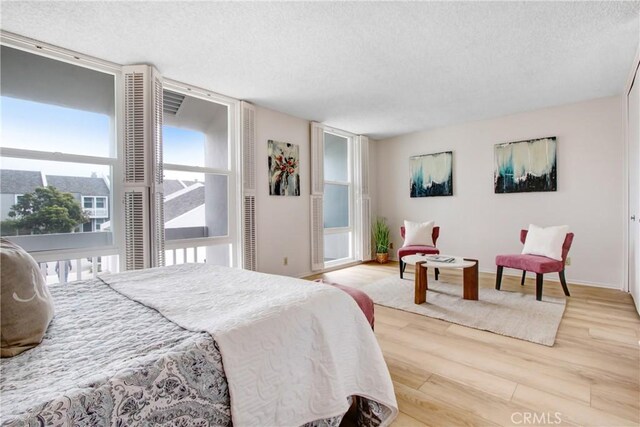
(422, 263)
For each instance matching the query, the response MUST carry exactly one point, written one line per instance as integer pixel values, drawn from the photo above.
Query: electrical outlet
(285, 261)
(390, 245)
(568, 262)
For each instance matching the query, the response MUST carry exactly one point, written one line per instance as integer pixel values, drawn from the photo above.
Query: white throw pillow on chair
(545, 241)
(418, 234)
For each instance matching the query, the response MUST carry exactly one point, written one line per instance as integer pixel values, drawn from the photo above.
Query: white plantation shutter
(317, 158)
(143, 193)
(366, 229)
(317, 233)
(134, 126)
(136, 228)
(248, 138)
(363, 202)
(248, 117)
(157, 186)
(363, 164)
(317, 195)
(249, 234)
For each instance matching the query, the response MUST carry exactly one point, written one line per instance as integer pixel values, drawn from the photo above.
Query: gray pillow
(26, 306)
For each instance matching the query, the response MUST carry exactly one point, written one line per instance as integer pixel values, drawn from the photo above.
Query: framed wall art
(431, 175)
(284, 173)
(526, 166)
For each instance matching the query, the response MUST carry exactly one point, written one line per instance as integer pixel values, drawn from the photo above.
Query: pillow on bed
(26, 306)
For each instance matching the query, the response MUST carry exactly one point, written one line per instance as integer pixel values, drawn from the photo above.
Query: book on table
(440, 258)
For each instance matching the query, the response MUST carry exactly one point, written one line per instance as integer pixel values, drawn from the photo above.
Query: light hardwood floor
(445, 374)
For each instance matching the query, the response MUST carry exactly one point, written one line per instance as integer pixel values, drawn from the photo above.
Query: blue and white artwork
(526, 166)
(431, 175)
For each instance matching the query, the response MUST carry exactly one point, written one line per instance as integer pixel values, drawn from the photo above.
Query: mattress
(108, 360)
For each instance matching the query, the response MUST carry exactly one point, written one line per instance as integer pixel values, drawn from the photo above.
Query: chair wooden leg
(524, 275)
(436, 272)
(401, 268)
(499, 277)
(539, 286)
(563, 281)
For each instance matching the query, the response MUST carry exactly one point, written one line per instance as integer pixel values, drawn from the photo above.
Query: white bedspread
(292, 350)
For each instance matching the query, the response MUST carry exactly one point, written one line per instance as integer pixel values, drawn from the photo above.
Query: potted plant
(380, 233)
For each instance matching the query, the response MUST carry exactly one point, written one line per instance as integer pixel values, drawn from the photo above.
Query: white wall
(282, 221)
(477, 223)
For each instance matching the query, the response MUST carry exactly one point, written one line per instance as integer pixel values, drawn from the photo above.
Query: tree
(46, 210)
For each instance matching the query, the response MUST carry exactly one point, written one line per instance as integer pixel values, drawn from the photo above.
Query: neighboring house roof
(19, 182)
(79, 184)
(171, 186)
(183, 203)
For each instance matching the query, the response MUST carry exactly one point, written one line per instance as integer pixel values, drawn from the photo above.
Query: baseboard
(305, 275)
(327, 270)
(636, 303)
(553, 278)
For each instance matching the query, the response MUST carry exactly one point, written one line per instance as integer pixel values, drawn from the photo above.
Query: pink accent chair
(412, 250)
(537, 264)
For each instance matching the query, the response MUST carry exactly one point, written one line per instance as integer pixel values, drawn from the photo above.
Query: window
(95, 207)
(338, 195)
(52, 109)
(198, 196)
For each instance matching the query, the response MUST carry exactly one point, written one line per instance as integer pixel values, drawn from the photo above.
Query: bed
(199, 345)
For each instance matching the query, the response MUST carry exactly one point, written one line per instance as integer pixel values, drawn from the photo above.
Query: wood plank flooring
(449, 375)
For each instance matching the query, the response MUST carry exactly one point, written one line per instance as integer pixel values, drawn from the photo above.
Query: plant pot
(382, 258)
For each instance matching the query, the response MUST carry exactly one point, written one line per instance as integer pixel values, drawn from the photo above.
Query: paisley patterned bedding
(109, 361)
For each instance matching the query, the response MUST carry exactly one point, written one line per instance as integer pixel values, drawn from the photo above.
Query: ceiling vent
(172, 102)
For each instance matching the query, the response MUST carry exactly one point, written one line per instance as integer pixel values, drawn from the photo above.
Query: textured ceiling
(380, 69)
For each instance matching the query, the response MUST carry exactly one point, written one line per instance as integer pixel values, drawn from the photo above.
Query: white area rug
(513, 314)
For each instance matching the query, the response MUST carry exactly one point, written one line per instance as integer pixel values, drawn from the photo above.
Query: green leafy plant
(380, 232)
(45, 210)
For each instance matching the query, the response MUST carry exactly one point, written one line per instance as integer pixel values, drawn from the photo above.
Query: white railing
(185, 255)
(97, 212)
(68, 265)
(216, 252)
(69, 269)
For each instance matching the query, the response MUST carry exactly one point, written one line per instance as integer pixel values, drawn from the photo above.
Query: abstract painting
(284, 174)
(525, 166)
(431, 175)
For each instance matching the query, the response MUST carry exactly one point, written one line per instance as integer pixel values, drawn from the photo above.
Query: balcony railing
(97, 212)
(60, 262)
(186, 251)
(70, 270)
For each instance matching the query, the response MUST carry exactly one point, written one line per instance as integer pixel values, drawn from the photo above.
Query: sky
(36, 126)
(44, 127)
(183, 146)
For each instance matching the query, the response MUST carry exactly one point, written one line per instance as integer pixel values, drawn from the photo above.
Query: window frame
(113, 161)
(94, 205)
(84, 204)
(351, 229)
(233, 173)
